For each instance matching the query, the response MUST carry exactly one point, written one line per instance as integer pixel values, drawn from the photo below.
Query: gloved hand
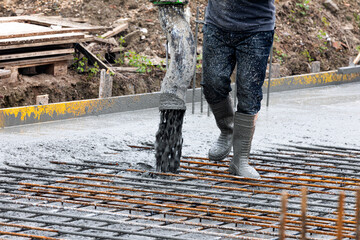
(169, 2)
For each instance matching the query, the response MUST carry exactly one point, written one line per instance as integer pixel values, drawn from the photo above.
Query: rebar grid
(130, 216)
(157, 205)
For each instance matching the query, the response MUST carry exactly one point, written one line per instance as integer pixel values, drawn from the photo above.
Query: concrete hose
(174, 86)
(182, 52)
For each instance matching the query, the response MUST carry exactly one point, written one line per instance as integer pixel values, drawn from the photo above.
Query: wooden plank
(60, 18)
(47, 38)
(49, 21)
(125, 69)
(64, 23)
(110, 41)
(357, 59)
(116, 30)
(4, 73)
(36, 54)
(36, 62)
(42, 33)
(46, 43)
(17, 28)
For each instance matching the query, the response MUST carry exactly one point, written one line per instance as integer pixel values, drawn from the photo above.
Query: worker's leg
(218, 64)
(252, 55)
(219, 61)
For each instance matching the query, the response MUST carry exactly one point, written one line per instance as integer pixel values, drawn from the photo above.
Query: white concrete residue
(327, 116)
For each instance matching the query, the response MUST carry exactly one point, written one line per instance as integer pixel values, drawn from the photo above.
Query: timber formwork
(304, 193)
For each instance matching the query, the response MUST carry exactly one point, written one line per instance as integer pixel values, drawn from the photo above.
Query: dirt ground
(306, 31)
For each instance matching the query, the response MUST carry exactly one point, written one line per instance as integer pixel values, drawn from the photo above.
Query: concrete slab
(325, 115)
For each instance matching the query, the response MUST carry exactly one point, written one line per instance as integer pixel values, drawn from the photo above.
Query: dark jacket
(241, 15)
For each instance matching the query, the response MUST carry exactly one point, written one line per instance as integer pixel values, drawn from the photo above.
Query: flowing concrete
(325, 115)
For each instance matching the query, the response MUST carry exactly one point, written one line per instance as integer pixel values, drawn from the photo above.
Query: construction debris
(42, 44)
(33, 41)
(37, 44)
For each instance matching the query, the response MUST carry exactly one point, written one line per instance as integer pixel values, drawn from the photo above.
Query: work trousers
(222, 51)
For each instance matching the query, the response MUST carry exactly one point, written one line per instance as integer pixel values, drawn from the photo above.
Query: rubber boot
(244, 127)
(224, 116)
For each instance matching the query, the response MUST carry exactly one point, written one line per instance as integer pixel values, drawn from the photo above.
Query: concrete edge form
(74, 109)
(67, 110)
(350, 69)
(313, 80)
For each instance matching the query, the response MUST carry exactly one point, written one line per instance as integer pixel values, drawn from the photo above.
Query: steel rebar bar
(357, 214)
(283, 217)
(304, 213)
(340, 224)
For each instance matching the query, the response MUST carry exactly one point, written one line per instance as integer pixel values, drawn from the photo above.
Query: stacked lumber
(37, 44)
(33, 41)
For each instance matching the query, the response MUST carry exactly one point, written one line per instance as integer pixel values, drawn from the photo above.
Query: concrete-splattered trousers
(221, 52)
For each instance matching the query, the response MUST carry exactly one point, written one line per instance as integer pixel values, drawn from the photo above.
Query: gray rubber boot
(224, 116)
(244, 127)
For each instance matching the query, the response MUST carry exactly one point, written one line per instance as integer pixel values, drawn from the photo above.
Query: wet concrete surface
(325, 115)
